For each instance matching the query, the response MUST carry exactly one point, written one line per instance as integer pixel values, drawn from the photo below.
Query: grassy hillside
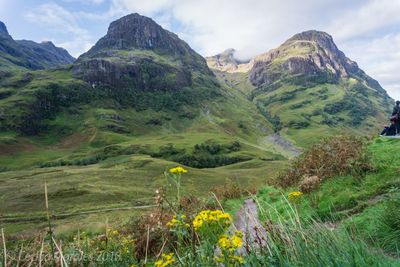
(304, 113)
(96, 153)
(366, 205)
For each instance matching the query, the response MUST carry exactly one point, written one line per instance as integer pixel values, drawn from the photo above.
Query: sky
(367, 31)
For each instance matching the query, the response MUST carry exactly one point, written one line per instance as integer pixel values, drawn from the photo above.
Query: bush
(298, 124)
(232, 191)
(301, 104)
(342, 155)
(207, 161)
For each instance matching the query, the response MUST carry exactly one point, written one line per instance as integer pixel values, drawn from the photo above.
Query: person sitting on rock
(389, 130)
(395, 116)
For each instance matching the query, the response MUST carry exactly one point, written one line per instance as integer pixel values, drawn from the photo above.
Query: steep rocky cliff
(137, 53)
(311, 53)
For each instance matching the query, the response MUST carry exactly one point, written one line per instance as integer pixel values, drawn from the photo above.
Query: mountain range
(103, 128)
(303, 90)
(307, 87)
(24, 54)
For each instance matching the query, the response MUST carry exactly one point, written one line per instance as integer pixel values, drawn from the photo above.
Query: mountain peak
(226, 61)
(48, 44)
(308, 53)
(135, 46)
(311, 35)
(3, 28)
(135, 31)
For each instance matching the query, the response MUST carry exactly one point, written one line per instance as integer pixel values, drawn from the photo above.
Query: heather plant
(333, 156)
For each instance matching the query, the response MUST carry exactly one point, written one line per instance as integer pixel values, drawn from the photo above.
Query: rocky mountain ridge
(29, 54)
(307, 87)
(310, 53)
(137, 52)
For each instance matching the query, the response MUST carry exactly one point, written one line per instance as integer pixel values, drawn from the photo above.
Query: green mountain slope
(307, 88)
(140, 84)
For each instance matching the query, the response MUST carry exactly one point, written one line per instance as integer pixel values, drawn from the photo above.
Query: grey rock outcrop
(307, 54)
(137, 53)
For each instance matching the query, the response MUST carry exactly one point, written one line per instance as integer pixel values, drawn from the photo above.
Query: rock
(140, 74)
(309, 183)
(138, 54)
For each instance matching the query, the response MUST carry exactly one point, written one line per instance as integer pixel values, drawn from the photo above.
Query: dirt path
(247, 222)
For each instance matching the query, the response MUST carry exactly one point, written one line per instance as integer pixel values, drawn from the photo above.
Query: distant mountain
(3, 29)
(138, 53)
(309, 53)
(227, 62)
(308, 87)
(28, 54)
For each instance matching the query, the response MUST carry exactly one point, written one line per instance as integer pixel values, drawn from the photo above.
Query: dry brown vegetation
(342, 155)
(232, 191)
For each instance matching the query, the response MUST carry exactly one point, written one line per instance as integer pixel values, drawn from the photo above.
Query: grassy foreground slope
(367, 206)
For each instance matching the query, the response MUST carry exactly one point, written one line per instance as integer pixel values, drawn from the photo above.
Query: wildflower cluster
(121, 242)
(229, 247)
(177, 170)
(212, 218)
(294, 196)
(166, 260)
(178, 221)
(231, 243)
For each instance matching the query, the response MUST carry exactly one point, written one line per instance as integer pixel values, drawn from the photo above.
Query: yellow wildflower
(294, 195)
(238, 259)
(166, 260)
(214, 217)
(177, 170)
(224, 242)
(177, 222)
(235, 242)
(232, 260)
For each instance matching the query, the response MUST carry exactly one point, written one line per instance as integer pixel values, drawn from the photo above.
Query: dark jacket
(396, 110)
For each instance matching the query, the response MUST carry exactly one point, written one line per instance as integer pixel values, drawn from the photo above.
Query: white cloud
(251, 26)
(64, 22)
(96, 2)
(365, 21)
(380, 58)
